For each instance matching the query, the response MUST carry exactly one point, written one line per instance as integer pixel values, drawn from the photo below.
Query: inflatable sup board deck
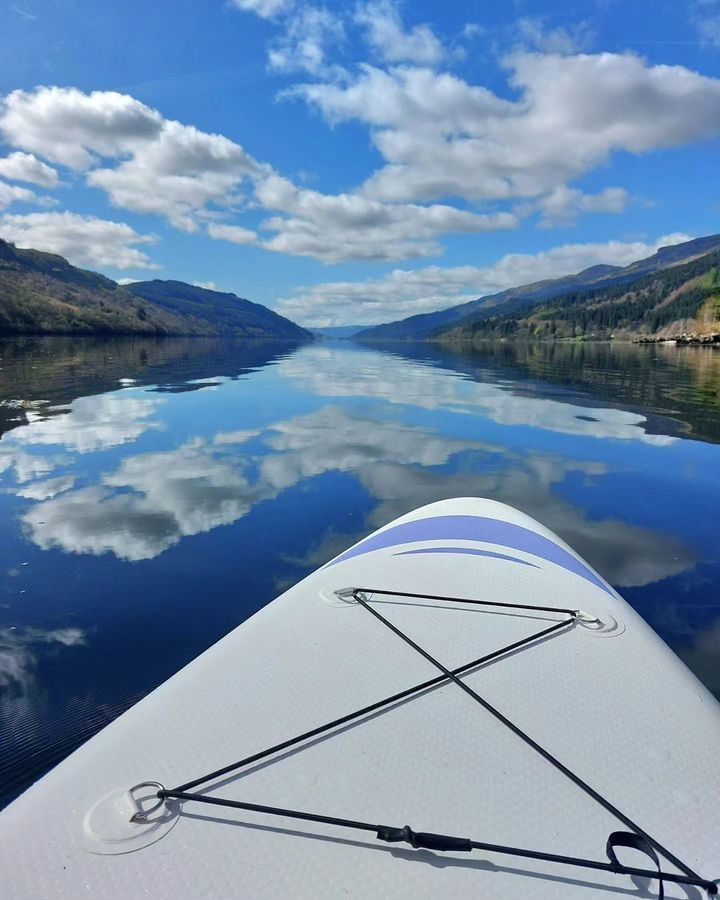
(542, 743)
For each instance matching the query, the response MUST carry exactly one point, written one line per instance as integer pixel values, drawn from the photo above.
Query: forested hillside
(42, 293)
(516, 300)
(680, 300)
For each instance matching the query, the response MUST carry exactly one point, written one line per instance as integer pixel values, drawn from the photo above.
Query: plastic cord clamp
(426, 840)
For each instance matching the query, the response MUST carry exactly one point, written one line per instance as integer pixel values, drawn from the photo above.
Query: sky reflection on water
(172, 488)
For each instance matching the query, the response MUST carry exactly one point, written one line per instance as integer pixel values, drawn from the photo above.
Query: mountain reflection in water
(175, 486)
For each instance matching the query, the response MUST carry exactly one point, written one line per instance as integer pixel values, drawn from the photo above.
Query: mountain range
(44, 293)
(675, 291)
(464, 321)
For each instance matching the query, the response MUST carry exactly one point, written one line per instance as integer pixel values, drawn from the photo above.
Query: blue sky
(357, 162)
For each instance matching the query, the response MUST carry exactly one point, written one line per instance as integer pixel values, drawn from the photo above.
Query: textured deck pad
(613, 704)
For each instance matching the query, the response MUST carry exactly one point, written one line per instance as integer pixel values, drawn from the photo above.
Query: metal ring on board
(141, 815)
(599, 624)
(586, 618)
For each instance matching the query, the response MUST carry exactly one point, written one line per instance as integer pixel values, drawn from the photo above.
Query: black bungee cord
(636, 838)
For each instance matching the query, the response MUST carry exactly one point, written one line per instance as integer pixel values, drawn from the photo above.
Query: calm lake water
(155, 493)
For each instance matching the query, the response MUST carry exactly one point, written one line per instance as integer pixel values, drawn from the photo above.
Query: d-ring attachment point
(142, 815)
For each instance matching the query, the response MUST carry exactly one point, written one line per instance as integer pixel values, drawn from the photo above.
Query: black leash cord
(606, 804)
(446, 843)
(373, 707)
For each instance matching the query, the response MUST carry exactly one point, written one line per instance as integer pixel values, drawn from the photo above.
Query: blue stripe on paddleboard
(470, 551)
(475, 528)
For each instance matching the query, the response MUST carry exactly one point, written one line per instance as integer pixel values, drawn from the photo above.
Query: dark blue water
(154, 494)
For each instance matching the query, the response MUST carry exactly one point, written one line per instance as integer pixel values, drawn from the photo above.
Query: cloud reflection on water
(153, 500)
(306, 453)
(20, 649)
(44, 490)
(627, 555)
(334, 372)
(25, 466)
(89, 423)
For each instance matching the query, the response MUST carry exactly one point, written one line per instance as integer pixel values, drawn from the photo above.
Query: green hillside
(680, 300)
(226, 313)
(421, 327)
(42, 293)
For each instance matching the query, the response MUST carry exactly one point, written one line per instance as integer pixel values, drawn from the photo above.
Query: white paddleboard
(592, 692)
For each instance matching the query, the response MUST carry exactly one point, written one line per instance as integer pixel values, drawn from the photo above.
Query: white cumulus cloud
(441, 136)
(70, 127)
(177, 175)
(84, 240)
(236, 234)
(160, 166)
(533, 33)
(405, 292)
(336, 228)
(303, 44)
(563, 204)
(26, 167)
(266, 9)
(389, 39)
(11, 193)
